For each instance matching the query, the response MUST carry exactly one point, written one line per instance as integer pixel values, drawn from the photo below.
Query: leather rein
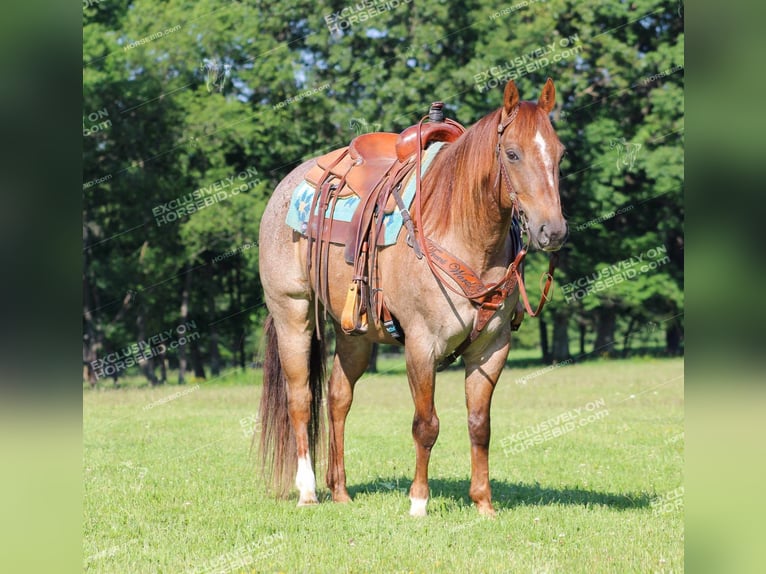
(487, 298)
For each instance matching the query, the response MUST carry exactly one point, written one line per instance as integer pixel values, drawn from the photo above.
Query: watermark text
(555, 427)
(205, 196)
(533, 61)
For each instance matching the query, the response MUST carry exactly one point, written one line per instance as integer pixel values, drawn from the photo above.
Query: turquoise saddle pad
(300, 203)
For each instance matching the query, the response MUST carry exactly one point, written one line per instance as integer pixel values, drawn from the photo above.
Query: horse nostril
(543, 237)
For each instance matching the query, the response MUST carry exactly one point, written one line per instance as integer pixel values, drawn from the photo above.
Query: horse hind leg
(352, 356)
(295, 391)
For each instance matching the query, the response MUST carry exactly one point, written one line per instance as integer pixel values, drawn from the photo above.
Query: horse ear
(548, 96)
(510, 96)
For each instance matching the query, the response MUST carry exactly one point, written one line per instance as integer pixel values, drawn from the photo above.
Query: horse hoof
(308, 502)
(418, 506)
(487, 511)
(341, 498)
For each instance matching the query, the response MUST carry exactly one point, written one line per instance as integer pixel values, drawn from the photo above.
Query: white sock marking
(547, 161)
(305, 481)
(418, 506)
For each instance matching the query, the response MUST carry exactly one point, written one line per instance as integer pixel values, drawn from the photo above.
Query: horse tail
(317, 376)
(278, 454)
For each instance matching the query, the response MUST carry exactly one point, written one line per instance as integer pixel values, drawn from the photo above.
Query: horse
(505, 166)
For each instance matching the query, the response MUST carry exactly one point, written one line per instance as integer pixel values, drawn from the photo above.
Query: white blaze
(547, 160)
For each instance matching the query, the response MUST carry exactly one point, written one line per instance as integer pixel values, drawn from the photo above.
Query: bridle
(487, 298)
(502, 171)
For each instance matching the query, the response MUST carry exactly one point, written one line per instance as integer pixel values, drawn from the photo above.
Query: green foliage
(186, 95)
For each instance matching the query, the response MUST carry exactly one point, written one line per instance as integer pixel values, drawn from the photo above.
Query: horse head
(529, 152)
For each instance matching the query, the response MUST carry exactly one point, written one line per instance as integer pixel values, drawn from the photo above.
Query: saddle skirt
(358, 183)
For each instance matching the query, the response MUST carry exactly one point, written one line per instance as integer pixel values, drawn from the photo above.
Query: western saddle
(374, 167)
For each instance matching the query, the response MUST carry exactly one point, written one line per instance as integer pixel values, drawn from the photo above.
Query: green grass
(172, 488)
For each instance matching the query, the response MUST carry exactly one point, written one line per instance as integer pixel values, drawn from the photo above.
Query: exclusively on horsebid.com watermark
(96, 122)
(216, 74)
(228, 254)
(136, 353)
(675, 438)
(250, 425)
(533, 61)
(611, 275)
(515, 8)
(243, 556)
(155, 36)
(172, 397)
(523, 380)
(603, 218)
(206, 196)
(133, 476)
(668, 502)
(301, 96)
(362, 126)
(360, 12)
(627, 152)
(554, 427)
(97, 181)
(660, 75)
(111, 551)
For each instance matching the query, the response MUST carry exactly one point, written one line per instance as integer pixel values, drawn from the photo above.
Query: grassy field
(170, 484)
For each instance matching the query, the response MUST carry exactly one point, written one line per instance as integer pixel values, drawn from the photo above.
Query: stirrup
(352, 322)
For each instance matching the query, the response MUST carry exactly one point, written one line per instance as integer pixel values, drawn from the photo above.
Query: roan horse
(505, 165)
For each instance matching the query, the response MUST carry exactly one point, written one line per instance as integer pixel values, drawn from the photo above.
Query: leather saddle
(362, 165)
(367, 159)
(374, 166)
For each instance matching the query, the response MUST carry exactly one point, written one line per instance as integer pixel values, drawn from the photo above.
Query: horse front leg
(421, 374)
(482, 370)
(352, 356)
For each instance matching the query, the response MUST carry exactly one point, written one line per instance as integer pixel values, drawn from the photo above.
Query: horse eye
(512, 155)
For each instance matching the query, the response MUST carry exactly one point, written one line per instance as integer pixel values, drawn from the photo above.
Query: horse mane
(460, 188)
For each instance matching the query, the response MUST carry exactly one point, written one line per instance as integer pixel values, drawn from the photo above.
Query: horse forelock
(530, 120)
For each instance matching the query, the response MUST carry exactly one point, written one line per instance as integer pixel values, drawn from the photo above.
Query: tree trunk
(372, 367)
(240, 318)
(560, 337)
(184, 320)
(93, 339)
(163, 369)
(673, 336)
(147, 366)
(90, 342)
(215, 355)
(605, 324)
(583, 332)
(544, 339)
(196, 359)
(626, 339)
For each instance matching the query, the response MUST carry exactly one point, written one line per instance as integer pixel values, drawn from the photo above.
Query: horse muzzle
(551, 236)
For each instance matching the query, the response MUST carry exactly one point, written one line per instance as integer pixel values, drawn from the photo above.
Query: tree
(185, 100)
